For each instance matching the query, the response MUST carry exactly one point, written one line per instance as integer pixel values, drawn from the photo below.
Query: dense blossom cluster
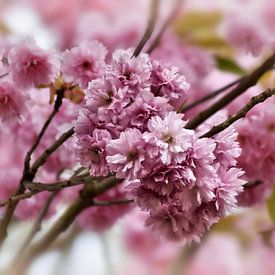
(117, 121)
(129, 126)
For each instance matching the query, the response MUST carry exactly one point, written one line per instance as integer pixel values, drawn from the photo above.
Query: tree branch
(43, 158)
(113, 202)
(84, 201)
(37, 224)
(240, 114)
(27, 174)
(245, 83)
(165, 25)
(209, 96)
(150, 27)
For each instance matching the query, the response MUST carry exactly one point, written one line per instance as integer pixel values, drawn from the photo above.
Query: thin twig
(17, 198)
(150, 27)
(37, 224)
(252, 184)
(240, 114)
(84, 201)
(51, 187)
(165, 25)
(55, 110)
(3, 75)
(209, 96)
(27, 174)
(113, 202)
(43, 158)
(245, 83)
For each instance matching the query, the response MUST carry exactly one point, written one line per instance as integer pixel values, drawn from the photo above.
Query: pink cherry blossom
(13, 102)
(169, 136)
(83, 63)
(30, 65)
(126, 155)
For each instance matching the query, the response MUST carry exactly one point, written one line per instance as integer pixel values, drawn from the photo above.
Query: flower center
(94, 153)
(86, 65)
(108, 98)
(167, 138)
(132, 156)
(127, 75)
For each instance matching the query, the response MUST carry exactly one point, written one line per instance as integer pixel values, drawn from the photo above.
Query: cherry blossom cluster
(129, 126)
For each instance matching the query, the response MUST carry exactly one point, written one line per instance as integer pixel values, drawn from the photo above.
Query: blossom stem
(244, 84)
(240, 114)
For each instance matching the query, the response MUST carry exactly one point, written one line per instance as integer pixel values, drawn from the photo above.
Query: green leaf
(193, 21)
(228, 65)
(200, 29)
(271, 205)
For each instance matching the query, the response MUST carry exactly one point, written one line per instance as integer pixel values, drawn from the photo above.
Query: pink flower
(168, 82)
(172, 224)
(12, 102)
(126, 155)
(230, 186)
(168, 137)
(105, 100)
(227, 147)
(145, 106)
(30, 65)
(90, 150)
(246, 35)
(132, 71)
(84, 63)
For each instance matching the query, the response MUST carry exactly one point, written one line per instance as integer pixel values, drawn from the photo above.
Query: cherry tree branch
(84, 201)
(150, 27)
(27, 174)
(244, 84)
(37, 224)
(113, 202)
(45, 155)
(165, 25)
(241, 113)
(209, 96)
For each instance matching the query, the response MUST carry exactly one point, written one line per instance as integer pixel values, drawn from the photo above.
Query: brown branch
(37, 224)
(209, 96)
(37, 187)
(52, 187)
(17, 198)
(150, 27)
(113, 202)
(43, 158)
(241, 113)
(84, 201)
(244, 84)
(252, 184)
(57, 105)
(27, 174)
(3, 75)
(165, 25)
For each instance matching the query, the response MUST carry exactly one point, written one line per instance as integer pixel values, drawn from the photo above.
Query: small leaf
(229, 65)
(193, 21)
(200, 28)
(271, 205)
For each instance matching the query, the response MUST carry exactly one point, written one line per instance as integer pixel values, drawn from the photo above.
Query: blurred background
(199, 42)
